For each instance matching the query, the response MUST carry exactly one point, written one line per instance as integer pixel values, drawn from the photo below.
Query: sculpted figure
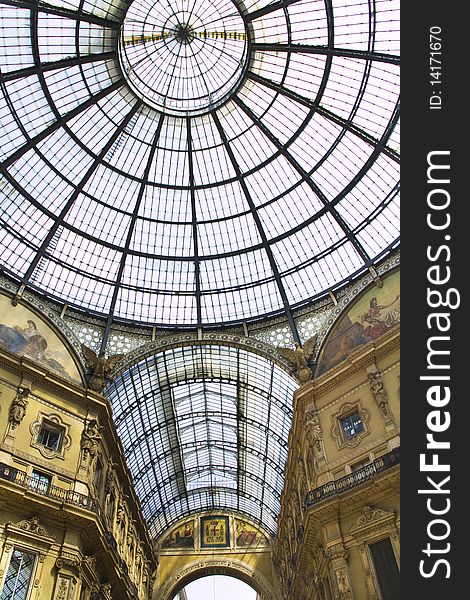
(18, 406)
(299, 357)
(91, 438)
(102, 367)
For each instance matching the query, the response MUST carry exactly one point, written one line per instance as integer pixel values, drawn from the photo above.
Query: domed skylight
(191, 163)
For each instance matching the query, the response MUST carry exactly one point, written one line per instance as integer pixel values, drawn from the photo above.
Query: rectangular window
(351, 425)
(50, 435)
(40, 482)
(18, 577)
(386, 569)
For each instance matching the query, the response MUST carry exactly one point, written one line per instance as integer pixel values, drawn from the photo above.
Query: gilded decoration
(180, 537)
(215, 532)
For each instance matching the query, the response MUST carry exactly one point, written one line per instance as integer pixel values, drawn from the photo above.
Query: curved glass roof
(205, 427)
(189, 163)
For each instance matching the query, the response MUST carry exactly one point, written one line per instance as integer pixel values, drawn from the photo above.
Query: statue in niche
(300, 358)
(18, 407)
(102, 367)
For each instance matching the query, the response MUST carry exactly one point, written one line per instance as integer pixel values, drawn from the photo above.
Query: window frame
(50, 427)
(53, 421)
(19, 548)
(345, 411)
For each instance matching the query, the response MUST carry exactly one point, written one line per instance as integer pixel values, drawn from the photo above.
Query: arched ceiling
(191, 163)
(205, 427)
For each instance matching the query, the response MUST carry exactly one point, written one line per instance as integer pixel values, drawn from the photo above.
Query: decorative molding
(336, 431)
(204, 565)
(34, 459)
(30, 526)
(191, 339)
(372, 523)
(66, 440)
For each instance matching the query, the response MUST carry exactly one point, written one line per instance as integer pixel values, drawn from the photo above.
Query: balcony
(22, 479)
(365, 473)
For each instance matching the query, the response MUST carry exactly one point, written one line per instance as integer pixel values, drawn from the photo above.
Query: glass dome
(193, 163)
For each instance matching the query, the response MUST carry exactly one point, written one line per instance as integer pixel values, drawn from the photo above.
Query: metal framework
(190, 165)
(241, 192)
(205, 427)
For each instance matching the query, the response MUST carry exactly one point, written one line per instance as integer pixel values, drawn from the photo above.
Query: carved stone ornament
(18, 406)
(343, 584)
(68, 561)
(106, 590)
(66, 440)
(63, 589)
(345, 410)
(31, 526)
(371, 517)
(109, 481)
(101, 367)
(299, 357)
(91, 439)
(377, 389)
(313, 430)
(337, 552)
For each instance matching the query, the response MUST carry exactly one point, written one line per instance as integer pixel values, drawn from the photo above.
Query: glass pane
(18, 576)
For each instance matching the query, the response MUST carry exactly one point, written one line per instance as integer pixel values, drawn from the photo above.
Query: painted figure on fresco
(182, 537)
(378, 319)
(30, 340)
(372, 315)
(23, 340)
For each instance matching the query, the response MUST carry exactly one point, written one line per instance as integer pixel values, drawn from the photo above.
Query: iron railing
(365, 473)
(43, 487)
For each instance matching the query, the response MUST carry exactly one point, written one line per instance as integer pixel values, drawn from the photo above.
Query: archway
(216, 587)
(207, 567)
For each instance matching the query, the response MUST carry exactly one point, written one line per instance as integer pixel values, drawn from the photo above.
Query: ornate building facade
(199, 298)
(73, 526)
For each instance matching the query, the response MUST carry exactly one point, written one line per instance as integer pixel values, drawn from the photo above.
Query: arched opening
(217, 587)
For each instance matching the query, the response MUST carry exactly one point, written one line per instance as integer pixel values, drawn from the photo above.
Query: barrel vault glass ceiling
(192, 163)
(205, 428)
(196, 162)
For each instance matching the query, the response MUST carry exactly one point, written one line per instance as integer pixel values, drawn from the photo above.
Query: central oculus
(183, 58)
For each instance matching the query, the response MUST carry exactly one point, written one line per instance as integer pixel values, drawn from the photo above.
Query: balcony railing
(365, 473)
(40, 486)
(44, 488)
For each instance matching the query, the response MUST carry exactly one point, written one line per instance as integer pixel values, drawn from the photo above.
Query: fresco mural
(375, 313)
(246, 535)
(181, 537)
(26, 334)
